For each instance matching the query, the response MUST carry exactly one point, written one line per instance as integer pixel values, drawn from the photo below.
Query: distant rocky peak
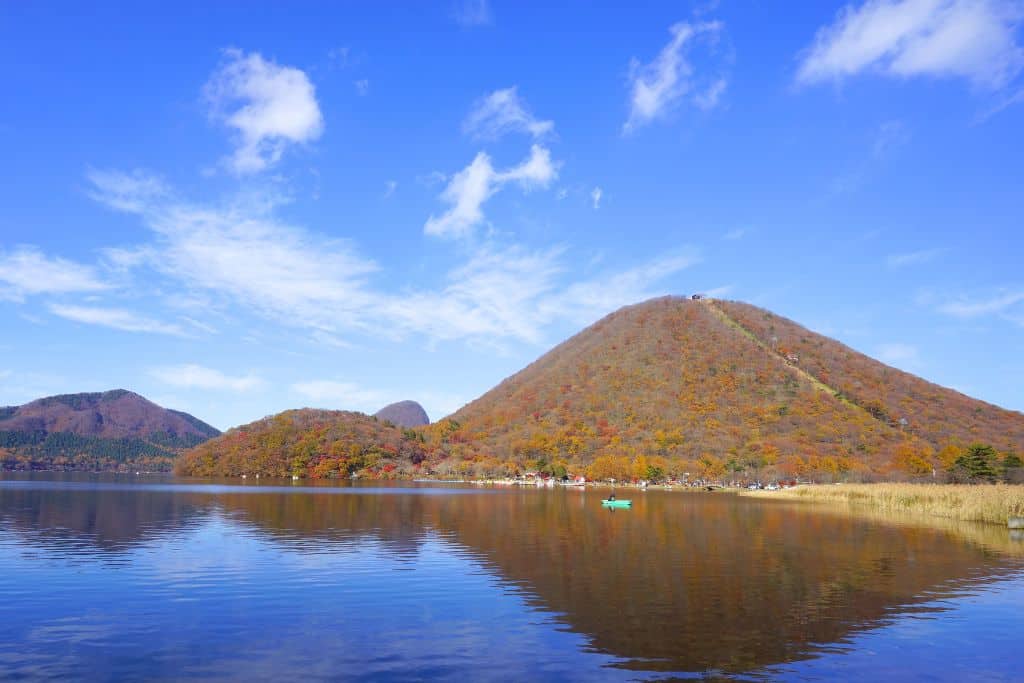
(404, 414)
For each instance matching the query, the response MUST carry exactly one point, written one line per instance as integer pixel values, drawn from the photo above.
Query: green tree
(976, 465)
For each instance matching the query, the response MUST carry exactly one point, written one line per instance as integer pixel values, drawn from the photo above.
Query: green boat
(617, 503)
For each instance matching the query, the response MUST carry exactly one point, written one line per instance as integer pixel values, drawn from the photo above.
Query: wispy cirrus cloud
(494, 295)
(324, 338)
(116, 318)
(193, 376)
(239, 250)
(517, 293)
(1004, 303)
(26, 271)
(661, 86)
(503, 112)
(470, 188)
(269, 106)
(970, 39)
(913, 258)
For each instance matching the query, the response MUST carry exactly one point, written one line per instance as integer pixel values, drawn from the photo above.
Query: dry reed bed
(994, 503)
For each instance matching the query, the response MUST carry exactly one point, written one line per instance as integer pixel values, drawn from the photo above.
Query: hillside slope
(108, 430)
(934, 413)
(308, 443)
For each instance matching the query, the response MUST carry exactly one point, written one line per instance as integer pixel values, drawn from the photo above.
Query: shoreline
(992, 504)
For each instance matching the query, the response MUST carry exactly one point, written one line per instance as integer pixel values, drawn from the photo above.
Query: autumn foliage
(320, 444)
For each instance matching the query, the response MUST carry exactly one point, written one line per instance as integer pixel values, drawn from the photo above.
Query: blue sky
(239, 209)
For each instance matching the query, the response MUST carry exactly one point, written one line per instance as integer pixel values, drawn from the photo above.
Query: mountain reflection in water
(683, 582)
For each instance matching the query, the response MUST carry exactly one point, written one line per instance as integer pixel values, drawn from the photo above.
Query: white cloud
(241, 251)
(595, 197)
(27, 271)
(269, 106)
(468, 189)
(130, 192)
(470, 13)
(126, 258)
(192, 376)
(913, 258)
(389, 188)
(708, 99)
(116, 318)
(340, 395)
(493, 295)
(199, 325)
(657, 88)
(972, 39)
(362, 87)
(327, 339)
(735, 234)
(503, 112)
(999, 304)
(517, 293)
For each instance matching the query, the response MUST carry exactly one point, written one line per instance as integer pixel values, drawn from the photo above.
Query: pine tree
(976, 465)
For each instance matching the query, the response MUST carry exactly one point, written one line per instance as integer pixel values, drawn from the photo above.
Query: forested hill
(309, 443)
(706, 386)
(96, 431)
(671, 386)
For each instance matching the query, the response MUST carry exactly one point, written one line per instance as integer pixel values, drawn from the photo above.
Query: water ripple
(116, 580)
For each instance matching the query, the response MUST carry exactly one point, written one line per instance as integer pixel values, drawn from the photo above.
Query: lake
(147, 577)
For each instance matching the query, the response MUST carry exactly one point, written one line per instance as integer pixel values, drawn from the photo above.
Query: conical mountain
(709, 385)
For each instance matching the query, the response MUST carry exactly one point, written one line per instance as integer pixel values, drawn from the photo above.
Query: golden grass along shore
(993, 504)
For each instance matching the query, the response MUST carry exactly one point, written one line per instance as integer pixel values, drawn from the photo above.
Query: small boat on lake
(616, 503)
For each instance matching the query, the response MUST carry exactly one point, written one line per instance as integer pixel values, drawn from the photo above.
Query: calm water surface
(107, 578)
